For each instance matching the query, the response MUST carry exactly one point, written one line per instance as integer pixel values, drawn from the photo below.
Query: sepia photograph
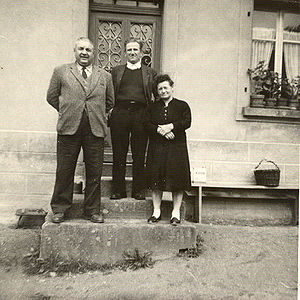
(149, 149)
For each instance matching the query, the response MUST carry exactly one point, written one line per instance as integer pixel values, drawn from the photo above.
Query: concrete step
(123, 209)
(106, 243)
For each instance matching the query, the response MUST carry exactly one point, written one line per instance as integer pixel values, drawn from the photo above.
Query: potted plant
(285, 94)
(271, 88)
(294, 99)
(256, 85)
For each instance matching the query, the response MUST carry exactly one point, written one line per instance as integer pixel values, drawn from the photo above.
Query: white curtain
(291, 54)
(262, 50)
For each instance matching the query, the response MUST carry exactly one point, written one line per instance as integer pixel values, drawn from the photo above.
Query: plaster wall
(201, 49)
(207, 49)
(35, 36)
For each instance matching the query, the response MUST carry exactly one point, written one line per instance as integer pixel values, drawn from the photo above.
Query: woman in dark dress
(168, 167)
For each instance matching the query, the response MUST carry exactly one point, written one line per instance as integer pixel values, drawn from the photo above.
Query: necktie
(84, 75)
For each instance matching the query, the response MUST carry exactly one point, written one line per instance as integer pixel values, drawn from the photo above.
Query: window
(276, 43)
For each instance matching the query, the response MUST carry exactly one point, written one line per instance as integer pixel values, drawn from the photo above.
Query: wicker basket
(267, 177)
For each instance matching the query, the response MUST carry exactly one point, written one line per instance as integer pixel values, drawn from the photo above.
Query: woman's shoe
(154, 219)
(174, 221)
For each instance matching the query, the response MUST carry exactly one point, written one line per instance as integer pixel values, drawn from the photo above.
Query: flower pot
(294, 104)
(270, 102)
(257, 100)
(282, 103)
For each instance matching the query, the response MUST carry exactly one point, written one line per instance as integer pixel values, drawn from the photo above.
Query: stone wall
(201, 43)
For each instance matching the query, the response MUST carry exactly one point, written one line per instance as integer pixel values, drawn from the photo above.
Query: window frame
(244, 112)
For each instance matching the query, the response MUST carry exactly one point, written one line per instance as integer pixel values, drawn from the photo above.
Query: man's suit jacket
(69, 95)
(148, 76)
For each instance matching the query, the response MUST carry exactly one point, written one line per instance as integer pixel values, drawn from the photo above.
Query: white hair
(83, 39)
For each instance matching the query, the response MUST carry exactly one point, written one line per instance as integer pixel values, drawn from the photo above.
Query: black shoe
(174, 221)
(95, 218)
(58, 217)
(154, 219)
(138, 196)
(118, 196)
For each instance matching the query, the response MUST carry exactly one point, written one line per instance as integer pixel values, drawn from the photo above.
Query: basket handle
(266, 161)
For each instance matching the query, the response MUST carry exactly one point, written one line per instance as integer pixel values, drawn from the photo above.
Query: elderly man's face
(133, 52)
(165, 91)
(84, 52)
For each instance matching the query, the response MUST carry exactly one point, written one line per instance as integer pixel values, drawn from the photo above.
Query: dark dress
(168, 167)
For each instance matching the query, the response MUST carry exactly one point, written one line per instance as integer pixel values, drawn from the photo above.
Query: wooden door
(108, 31)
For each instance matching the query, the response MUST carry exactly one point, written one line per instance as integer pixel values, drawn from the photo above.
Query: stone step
(123, 209)
(106, 243)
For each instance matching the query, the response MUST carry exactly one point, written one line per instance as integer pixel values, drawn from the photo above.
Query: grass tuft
(56, 266)
(136, 260)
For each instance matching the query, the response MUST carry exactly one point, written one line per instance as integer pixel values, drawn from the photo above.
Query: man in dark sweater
(133, 92)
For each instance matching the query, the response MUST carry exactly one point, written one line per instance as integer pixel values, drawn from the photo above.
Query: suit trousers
(68, 148)
(126, 126)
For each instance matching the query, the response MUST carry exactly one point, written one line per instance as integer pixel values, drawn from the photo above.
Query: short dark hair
(161, 78)
(133, 40)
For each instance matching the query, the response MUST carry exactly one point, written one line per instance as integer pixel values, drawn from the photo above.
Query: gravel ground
(238, 262)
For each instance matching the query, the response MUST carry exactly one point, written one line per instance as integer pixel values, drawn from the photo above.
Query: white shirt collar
(135, 66)
(88, 69)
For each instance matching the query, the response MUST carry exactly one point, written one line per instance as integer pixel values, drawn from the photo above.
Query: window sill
(273, 113)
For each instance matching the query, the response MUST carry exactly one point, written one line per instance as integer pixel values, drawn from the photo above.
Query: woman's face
(165, 91)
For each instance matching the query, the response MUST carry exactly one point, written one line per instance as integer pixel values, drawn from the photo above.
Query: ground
(238, 262)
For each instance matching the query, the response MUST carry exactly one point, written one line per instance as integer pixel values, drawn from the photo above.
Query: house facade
(206, 47)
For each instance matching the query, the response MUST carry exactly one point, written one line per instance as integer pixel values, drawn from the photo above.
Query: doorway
(111, 24)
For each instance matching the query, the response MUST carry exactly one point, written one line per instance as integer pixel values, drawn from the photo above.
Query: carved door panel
(108, 31)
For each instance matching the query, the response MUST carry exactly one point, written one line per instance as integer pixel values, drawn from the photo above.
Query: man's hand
(108, 115)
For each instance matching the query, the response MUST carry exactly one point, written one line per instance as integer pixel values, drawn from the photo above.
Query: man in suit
(133, 91)
(82, 94)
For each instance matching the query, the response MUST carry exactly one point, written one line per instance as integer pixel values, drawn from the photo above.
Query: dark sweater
(131, 87)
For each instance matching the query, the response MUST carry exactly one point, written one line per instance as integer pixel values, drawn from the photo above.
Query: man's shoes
(58, 217)
(174, 221)
(138, 196)
(95, 218)
(115, 196)
(154, 219)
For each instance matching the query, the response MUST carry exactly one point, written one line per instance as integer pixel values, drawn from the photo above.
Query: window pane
(263, 35)
(291, 20)
(291, 27)
(124, 2)
(104, 1)
(291, 50)
(129, 3)
(264, 19)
